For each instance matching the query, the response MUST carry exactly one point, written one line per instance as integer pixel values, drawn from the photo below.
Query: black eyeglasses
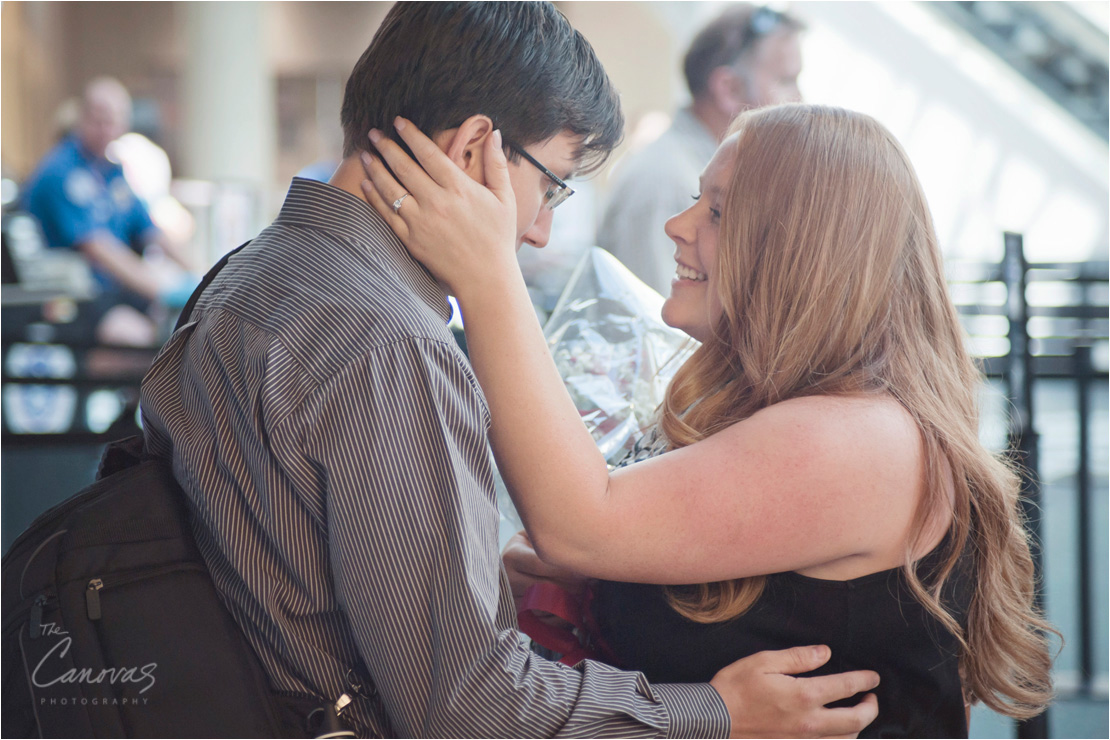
(559, 190)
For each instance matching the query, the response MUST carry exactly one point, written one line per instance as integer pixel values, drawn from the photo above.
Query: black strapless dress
(873, 622)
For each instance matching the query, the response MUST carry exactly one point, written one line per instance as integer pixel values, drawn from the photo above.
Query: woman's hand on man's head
(460, 229)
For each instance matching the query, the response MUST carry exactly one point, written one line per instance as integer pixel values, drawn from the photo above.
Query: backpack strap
(124, 453)
(120, 455)
(296, 708)
(208, 278)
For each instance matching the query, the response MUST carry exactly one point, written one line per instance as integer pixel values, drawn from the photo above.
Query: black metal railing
(1057, 335)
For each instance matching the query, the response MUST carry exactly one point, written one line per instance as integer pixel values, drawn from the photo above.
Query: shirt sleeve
(412, 533)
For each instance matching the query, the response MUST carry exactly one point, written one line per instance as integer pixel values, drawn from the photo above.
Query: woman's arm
(801, 484)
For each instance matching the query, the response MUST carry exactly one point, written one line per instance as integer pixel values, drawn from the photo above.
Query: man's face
(533, 218)
(103, 120)
(771, 75)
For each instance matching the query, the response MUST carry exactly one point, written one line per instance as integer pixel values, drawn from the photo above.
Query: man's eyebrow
(570, 169)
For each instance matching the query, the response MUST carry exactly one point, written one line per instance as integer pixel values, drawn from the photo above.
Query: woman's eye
(713, 212)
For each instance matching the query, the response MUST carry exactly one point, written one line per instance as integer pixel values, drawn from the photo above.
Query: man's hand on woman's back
(765, 699)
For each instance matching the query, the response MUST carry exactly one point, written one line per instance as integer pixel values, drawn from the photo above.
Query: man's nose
(540, 231)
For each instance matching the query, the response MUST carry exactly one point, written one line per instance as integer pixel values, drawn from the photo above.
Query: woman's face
(693, 306)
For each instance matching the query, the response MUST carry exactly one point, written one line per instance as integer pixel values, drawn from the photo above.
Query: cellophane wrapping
(614, 353)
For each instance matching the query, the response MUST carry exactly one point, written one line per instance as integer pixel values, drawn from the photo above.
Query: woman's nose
(678, 227)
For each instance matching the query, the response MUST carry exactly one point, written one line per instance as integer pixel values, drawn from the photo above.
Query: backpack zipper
(35, 623)
(31, 613)
(92, 598)
(96, 585)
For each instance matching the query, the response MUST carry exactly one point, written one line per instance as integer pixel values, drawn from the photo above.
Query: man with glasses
(746, 58)
(332, 440)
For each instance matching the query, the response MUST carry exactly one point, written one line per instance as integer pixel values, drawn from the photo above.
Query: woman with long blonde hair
(819, 477)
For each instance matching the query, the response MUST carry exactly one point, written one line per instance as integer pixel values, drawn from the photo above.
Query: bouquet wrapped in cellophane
(613, 350)
(615, 354)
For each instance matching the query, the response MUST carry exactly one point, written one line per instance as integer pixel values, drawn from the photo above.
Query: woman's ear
(465, 147)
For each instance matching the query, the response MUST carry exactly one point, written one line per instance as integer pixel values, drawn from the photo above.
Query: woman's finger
(437, 164)
(379, 203)
(395, 183)
(395, 222)
(383, 180)
(497, 169)
(406, 172)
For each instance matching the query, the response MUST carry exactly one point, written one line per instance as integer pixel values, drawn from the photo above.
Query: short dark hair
(728, 37)
(520, 63)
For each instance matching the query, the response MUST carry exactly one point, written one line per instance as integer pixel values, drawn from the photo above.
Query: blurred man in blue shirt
(84, 203)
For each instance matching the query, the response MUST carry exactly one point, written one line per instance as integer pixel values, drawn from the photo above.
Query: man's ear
(727, 89)
(464, 145)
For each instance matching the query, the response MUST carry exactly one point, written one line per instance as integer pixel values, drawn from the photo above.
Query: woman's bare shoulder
(870, 449)
(808, 483)
(875, 426)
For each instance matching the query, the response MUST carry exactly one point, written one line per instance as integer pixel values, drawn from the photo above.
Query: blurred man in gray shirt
(746, 58)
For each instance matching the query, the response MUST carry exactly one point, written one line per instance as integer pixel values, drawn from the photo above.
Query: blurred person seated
(83, 202)
(748, 57)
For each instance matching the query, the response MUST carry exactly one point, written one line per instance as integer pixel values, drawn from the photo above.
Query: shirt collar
(322, 207)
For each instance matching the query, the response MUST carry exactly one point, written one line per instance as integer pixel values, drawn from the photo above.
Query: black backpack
(112, 626)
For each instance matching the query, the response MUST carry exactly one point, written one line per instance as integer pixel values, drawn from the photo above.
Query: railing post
(1083, 524)
(1023, 437)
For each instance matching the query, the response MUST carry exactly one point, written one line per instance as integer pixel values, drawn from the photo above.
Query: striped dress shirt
(331, 440)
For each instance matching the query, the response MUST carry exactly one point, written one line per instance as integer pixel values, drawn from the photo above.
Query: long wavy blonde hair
(832, 283)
